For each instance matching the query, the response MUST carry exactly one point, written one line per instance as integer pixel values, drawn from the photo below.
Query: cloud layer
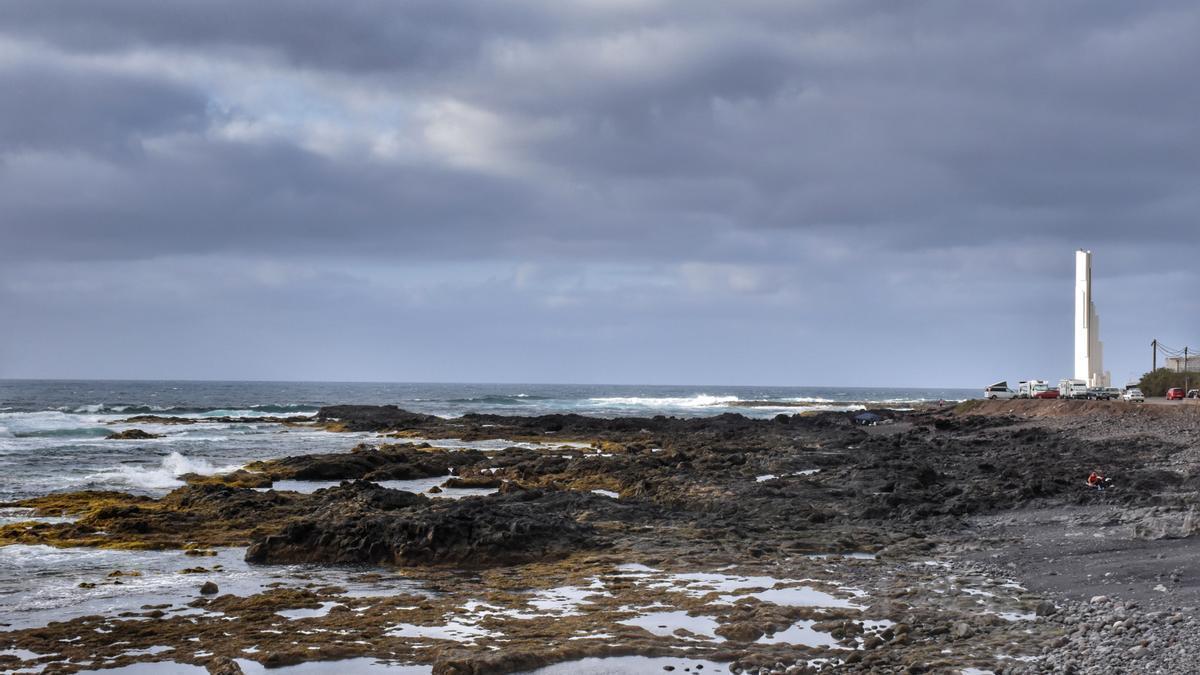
(641, 190)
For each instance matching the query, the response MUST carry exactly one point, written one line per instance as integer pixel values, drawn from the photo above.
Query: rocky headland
(940, 539)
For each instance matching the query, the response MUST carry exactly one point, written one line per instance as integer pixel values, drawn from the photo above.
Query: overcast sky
(612, 191)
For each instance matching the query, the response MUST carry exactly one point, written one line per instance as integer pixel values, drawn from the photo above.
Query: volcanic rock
(389, 462)
(131, 435)
(373, 417)
(223, 665)
(477, 531)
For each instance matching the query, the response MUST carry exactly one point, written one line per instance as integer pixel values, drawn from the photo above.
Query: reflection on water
(42, 583)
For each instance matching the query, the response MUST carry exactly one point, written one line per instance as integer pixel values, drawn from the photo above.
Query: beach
(955, 537)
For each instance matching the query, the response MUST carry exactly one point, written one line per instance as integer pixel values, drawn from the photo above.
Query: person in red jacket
(1095, 480)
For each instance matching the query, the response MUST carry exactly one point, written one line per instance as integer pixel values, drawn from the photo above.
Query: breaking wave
(499, 399)
(165, 476)
(697, 401)
(141, 409)
(51, 423)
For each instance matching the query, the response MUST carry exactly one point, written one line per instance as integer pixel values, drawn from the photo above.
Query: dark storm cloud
(924, 160)
(935, 123)
(353, 36)
(47, 109)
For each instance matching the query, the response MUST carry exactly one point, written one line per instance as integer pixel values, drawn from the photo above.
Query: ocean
(52, 432)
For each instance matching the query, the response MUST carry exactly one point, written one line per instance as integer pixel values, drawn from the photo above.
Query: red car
(1049, 393)
(1175, 394)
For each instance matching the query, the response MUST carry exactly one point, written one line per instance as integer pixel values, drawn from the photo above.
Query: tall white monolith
(1089, 350)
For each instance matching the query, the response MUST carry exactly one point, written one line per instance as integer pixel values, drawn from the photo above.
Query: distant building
(1089, 350)
(1175, 363)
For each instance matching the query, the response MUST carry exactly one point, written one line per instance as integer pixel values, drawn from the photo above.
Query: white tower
(1089, 350)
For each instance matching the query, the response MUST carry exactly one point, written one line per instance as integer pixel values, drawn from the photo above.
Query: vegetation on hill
(1157, 382)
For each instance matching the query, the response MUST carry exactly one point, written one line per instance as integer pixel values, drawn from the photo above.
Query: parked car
(1046, 393)
(1102, 393)
(1133, 395)
(1175, 394)
(1114, 393)
(1193, 393)
(999, 390)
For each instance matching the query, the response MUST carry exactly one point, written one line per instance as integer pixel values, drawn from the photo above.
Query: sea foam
(163, 477)
(697, 401)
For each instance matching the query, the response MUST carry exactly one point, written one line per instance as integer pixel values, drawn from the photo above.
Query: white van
(1033, 389)
(1072, 389)
(999, 390)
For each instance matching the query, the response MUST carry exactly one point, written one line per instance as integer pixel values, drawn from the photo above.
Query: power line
(1156, 346)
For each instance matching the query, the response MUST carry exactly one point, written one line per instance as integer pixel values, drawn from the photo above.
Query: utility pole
(1185, 371)
(1154, 351)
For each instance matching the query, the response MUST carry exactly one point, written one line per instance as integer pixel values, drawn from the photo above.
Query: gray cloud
(354, 36)
(69, 112)
(785, 164)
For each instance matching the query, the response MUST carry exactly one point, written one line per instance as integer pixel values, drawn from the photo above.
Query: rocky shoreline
(803, 543)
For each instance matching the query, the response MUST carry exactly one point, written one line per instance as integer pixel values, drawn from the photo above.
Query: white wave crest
(248, 412)
(4, 432)
(51, 420)
(163, 477)
(697, 401)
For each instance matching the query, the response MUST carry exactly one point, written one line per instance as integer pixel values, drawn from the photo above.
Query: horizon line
(491, 383)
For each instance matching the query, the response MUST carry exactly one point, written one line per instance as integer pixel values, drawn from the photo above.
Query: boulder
(223, 665)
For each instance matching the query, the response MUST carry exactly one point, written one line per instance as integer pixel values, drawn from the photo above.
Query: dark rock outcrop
(389, 462)
(725, 428)
(373, 417)
(223, 665)
(364, 523)
(131, 435)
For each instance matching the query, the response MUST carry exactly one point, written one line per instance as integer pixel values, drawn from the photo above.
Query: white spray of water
(163, 477)
(697, 401)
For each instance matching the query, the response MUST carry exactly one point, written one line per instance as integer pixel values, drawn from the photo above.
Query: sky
(791, 192)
